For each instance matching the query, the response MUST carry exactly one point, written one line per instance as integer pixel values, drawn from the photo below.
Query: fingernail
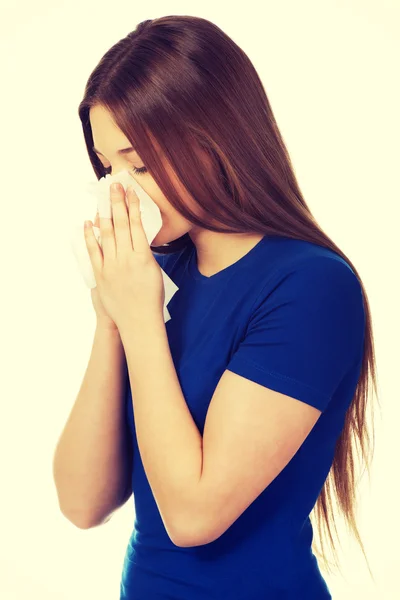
(115, 187)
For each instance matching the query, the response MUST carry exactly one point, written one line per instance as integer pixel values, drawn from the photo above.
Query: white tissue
(151, 220)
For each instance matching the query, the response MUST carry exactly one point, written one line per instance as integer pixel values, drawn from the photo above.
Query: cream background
(330, 70)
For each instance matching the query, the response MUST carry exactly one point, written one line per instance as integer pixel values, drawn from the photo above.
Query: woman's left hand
(128, 277)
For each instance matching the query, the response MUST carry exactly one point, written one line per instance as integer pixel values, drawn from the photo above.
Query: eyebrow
(123, 151)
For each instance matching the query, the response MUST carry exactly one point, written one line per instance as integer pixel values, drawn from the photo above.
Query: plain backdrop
(331, 72)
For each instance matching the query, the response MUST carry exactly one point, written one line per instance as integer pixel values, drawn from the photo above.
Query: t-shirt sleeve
(305, 332)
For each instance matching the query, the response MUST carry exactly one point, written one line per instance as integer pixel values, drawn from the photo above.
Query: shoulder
(304, 267)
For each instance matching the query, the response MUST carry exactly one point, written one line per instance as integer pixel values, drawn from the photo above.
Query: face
(108, 139)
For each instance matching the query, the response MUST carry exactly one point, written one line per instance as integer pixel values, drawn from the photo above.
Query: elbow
(77, 519)
(188, 539)
(83, 520)
(195, 522)
(193, 532)
(88, 519)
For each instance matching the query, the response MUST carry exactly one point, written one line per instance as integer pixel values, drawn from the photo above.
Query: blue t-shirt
(289, 316)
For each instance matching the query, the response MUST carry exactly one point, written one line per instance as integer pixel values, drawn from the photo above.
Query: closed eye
(136, 170)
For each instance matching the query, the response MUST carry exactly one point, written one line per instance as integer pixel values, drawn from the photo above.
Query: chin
(165, 236)
(160, 239)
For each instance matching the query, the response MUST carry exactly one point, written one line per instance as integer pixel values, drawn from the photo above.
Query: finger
(139, 238)
(122, 232)
(95, 253)
(107, 232)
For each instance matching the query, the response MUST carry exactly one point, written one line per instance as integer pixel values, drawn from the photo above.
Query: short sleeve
(305, 332)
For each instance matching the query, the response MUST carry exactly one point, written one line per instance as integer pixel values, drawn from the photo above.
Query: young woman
(233, 420)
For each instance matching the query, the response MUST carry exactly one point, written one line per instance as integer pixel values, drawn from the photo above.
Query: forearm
(169, 441)
(90, 465)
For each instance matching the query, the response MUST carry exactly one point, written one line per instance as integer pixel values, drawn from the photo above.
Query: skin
(215, 251)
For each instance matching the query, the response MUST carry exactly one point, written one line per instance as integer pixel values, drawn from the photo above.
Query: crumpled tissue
(151, 220)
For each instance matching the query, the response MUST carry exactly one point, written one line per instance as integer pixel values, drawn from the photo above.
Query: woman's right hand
(103, 319)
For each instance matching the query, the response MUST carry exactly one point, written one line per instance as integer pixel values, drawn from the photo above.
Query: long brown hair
(179, 84)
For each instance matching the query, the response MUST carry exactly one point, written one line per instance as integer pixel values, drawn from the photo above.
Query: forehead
(106, 134)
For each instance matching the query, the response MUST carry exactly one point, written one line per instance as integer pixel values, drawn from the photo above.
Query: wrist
(107, 326)
(141, 329)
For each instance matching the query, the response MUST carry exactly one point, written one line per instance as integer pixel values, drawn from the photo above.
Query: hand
(129, 280)
(103, 318)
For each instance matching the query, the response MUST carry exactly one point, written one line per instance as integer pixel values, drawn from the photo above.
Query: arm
(203, 484)
(169, 441)
(92, 462)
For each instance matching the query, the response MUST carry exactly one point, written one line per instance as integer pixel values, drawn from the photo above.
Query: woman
(247, 415)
